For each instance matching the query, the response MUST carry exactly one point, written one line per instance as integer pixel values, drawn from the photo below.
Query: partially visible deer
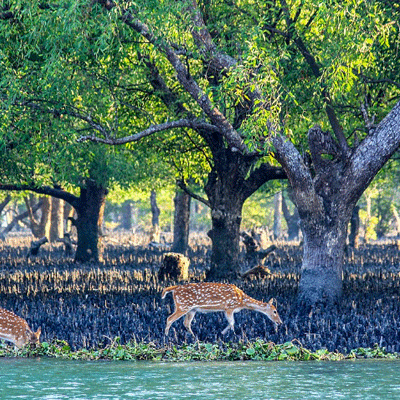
(15, 329)
(211, 297)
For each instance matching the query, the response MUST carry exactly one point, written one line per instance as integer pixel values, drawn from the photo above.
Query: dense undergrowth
(86, 306)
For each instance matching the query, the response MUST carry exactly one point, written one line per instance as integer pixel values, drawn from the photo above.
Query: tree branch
(18, 218)
(311, 61)
(171, 100)
(288, 156)
(371, 80)
(375, 150)
(261, 175)
(47, 190)
(64, 110)
(217, 61)
(180, 183)
(4, 203)
(217, 118)
(181, 123)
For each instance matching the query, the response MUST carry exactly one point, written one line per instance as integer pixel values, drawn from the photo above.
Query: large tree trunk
(324, 212)
(225, 191)
(326, 193)
(181, 222)
(225, 236)
(90, 209)
(323, 254)
(229, 184)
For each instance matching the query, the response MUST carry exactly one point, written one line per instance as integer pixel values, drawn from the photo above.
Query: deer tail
(167, 290)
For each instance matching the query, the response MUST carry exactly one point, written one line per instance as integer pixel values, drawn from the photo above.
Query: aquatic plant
(258, 350)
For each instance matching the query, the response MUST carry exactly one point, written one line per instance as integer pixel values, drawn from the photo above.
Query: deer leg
(188, 321)
(231, 322)
(172, 318)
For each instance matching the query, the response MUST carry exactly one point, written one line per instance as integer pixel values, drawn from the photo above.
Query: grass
(258, 350)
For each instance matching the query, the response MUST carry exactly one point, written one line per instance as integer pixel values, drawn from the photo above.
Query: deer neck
(252, 304)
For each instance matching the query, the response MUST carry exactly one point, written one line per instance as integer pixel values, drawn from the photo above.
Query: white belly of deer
(207, 309)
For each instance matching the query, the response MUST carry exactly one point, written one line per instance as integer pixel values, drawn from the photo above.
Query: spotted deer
(15, 329)
(210, 297)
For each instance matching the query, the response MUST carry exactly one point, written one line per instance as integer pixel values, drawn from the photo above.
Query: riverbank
(257, 350)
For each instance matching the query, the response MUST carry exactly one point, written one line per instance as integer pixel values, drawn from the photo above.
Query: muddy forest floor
(90, 305)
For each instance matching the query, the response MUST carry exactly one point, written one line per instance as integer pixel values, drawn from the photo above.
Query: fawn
(16, 330)
(210, 297)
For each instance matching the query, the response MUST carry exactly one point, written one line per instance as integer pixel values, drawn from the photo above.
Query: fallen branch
(35, 246)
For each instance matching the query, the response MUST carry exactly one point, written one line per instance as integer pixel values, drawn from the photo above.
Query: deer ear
(271, 302)
(38, 332)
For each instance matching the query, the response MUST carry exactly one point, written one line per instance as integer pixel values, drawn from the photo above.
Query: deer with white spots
(210, 297)
(15, 329)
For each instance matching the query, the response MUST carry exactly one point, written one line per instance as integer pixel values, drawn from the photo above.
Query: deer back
(16, 330)
(207, 294)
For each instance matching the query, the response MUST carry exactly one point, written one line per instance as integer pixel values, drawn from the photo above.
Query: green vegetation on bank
(258, 350)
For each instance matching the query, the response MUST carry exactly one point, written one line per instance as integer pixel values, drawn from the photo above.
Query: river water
(63, 379)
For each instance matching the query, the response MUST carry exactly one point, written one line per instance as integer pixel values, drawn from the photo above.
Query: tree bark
(325, 191)
(292, 221)
(277, 229)
(354, 228)
(323, 255)
(181, 221)
(4, 203)
(57, 219)
(39, 227)
(225, 237)
(18, 218)
(155, 217)
(90, 212)
(127, 215)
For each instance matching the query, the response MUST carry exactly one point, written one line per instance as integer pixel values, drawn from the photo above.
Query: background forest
(130, 212)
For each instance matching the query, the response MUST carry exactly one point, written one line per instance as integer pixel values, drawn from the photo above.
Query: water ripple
(52, 379)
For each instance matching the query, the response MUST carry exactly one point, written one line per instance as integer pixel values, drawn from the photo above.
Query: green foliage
(258, 350)
(73, 68)
(140, 197)
(258, 211)
(380, 202)
(69, 69)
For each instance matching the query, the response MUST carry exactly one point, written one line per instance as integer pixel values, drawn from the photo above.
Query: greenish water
(61, 379)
